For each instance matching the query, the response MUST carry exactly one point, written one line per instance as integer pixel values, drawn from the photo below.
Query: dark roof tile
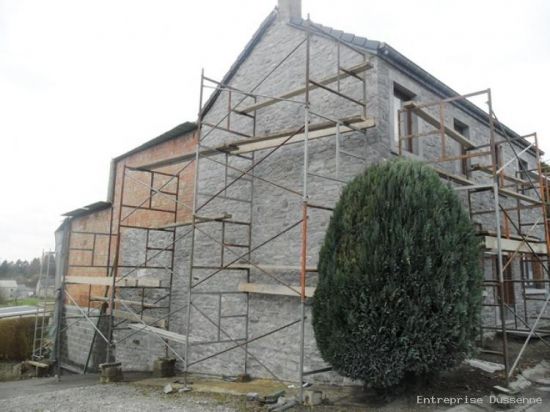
(94, 207)
(177, 131)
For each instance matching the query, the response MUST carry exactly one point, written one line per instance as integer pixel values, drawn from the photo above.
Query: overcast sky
(84, 81)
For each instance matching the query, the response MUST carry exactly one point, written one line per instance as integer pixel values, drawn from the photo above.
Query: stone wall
(76, 338)
(275, 209)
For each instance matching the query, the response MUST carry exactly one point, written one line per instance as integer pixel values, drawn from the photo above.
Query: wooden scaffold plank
(272, 289)
(108, 281)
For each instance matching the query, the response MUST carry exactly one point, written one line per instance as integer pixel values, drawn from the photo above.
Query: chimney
(290, 9)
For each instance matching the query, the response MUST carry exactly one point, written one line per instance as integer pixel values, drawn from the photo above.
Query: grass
(20, 302)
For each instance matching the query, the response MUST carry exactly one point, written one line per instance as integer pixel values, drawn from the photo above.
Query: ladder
(45, 291)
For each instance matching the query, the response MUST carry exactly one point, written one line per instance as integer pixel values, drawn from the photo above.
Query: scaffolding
(147, 300)
(518, 211)
(249, 154)
(45, 292)
(131, 290)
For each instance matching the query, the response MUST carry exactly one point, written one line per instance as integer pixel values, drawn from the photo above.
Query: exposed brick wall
(85, 262)
(93, 243)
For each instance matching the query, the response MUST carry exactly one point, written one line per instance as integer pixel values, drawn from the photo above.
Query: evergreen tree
(399, 290)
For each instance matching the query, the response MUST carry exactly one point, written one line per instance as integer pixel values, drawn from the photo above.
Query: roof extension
(174, 133)
(93, 207)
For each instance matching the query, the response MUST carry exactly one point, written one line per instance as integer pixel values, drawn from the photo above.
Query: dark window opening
(463, 165)
(533, 272)
(403, 124)
(523, 172)
(508, 287)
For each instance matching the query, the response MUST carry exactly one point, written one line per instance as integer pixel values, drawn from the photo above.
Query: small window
(403, 125)
(533, 272)
(499, 156)
(523, 174)
(523, 167)
(462, 165)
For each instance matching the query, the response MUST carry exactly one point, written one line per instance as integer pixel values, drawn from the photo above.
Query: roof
(408, 67)
(8, 284)
(94, 207)
(242, 57)
(380, 49)
(177, 131)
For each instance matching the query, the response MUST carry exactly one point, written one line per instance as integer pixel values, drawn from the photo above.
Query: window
(499, 157)
(462, 165)
(509, 295)
(403, 125)
(523, 169)
(532, 271)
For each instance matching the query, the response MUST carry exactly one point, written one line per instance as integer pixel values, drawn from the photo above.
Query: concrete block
(164, 367)
(110, 372)
(313, 397)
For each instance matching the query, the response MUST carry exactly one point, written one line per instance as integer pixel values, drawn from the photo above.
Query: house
(207, 246)
(8, 290)
(24, 291)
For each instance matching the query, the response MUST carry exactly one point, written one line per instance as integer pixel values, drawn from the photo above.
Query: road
(17, 311)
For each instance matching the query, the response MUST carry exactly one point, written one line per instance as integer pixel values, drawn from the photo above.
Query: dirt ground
(140, 392)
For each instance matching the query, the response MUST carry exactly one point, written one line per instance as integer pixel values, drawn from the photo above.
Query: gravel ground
(111, 397)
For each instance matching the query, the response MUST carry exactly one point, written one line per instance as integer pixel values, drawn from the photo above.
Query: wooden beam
(127, 302)
(272, 289)
(249, 145)
(38, 364)
(270, 142)
(272, 267)
(455, 178)
(488, 170)
(520, 196)
(510, 236)
(198, 219)
(301, 90)
(108, 281)
(511, 245)
(502, 191)
(135, 317)
(172, 336)
(428, 118)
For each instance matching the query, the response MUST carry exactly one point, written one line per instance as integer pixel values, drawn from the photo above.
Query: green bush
(399, 290)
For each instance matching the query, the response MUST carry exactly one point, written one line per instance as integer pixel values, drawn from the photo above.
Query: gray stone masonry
(77, 335)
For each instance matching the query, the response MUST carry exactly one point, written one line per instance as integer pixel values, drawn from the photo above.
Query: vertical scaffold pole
(304, 225)
(193, 224)
(500, 265)
(115, 270)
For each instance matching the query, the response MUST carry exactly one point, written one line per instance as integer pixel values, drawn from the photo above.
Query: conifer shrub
(399, 290)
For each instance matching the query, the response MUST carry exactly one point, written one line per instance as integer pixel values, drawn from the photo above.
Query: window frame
(463, 129)
(533, 274)
(402, 95)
